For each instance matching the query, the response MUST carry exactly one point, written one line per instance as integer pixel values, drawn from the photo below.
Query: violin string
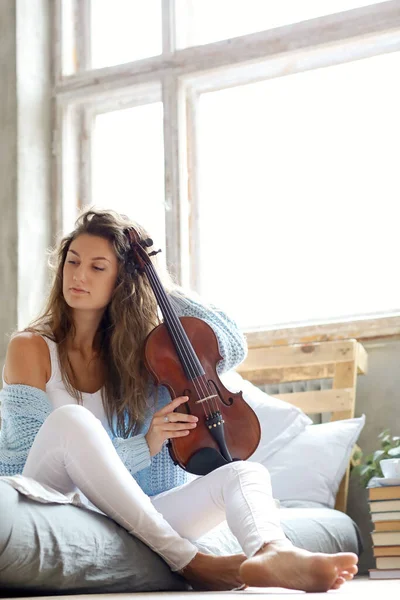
(211, 392)
(206, 390)
(175, 333)
(207, 393)
(187, 360)
(186, 355)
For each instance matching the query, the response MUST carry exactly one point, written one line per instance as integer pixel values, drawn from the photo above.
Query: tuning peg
(146, 243)
(154, 252)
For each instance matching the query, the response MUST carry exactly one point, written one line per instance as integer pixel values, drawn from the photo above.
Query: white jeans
(73, 451)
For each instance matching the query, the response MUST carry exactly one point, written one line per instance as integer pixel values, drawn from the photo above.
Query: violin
(181, 354)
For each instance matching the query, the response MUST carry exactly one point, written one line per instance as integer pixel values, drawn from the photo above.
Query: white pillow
(311, 466)
(280, 421)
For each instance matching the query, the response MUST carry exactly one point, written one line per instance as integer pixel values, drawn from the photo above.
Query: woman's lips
(76, 291)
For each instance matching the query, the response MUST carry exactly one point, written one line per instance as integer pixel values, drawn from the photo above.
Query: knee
(246, 467)
(69, 415)
(253, 471)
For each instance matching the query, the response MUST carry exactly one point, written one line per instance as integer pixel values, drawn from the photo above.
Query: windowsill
(365, 328)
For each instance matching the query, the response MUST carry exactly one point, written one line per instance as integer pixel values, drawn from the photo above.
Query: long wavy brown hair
(128, 318)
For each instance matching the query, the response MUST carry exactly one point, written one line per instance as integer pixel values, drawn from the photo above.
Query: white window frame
(177, 77)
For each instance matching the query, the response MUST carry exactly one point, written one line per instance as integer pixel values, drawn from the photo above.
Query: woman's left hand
(167, 424)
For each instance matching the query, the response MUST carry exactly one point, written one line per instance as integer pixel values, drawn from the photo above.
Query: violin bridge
(207, 398)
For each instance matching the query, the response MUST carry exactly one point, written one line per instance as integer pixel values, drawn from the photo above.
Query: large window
(306, 185)
(128, 165)
(265, 164)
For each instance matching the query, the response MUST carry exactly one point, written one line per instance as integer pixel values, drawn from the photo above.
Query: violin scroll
(138, 258)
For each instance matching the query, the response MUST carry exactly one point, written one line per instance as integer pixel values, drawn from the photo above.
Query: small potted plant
(369, 466)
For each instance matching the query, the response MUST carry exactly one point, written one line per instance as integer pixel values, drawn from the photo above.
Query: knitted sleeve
(231, 341)
(134, 452)
(23, 411)
(159, 473)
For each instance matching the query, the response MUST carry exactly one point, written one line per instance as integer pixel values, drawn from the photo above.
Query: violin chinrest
(204, 461)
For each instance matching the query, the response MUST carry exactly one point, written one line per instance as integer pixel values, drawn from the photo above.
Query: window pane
(128, 166)
(302, 171)
(124, 31)
(205, 21)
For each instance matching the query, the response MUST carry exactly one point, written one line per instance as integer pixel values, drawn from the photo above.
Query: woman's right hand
(167, 424)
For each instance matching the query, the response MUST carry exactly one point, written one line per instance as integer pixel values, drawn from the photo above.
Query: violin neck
(183, 347)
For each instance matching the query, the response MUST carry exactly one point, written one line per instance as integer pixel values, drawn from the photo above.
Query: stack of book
(384, 504)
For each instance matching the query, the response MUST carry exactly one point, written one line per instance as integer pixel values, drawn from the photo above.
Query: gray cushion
(320, 529)
(307, 525)
(53, 548)
(48, 548)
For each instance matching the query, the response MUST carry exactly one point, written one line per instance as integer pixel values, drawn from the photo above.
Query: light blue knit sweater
(24, 409)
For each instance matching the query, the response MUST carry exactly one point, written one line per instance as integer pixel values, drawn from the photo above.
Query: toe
(338, 583)
(344, 561)
(353, 569)
(349, 572)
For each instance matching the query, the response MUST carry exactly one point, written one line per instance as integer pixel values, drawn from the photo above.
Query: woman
(79, 414)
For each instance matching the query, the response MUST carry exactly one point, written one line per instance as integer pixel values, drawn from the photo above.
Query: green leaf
(369, 466)
(364, 469)
(378, 454)
(394, 452)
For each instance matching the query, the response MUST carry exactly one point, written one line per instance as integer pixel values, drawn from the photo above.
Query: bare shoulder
(27, 360)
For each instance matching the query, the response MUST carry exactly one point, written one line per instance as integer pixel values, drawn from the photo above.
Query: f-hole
(211, 382)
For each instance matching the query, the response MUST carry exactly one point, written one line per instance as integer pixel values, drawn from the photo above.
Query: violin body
(200, 451)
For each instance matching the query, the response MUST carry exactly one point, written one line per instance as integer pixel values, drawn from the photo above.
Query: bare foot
(280, 564)
(208, 572)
